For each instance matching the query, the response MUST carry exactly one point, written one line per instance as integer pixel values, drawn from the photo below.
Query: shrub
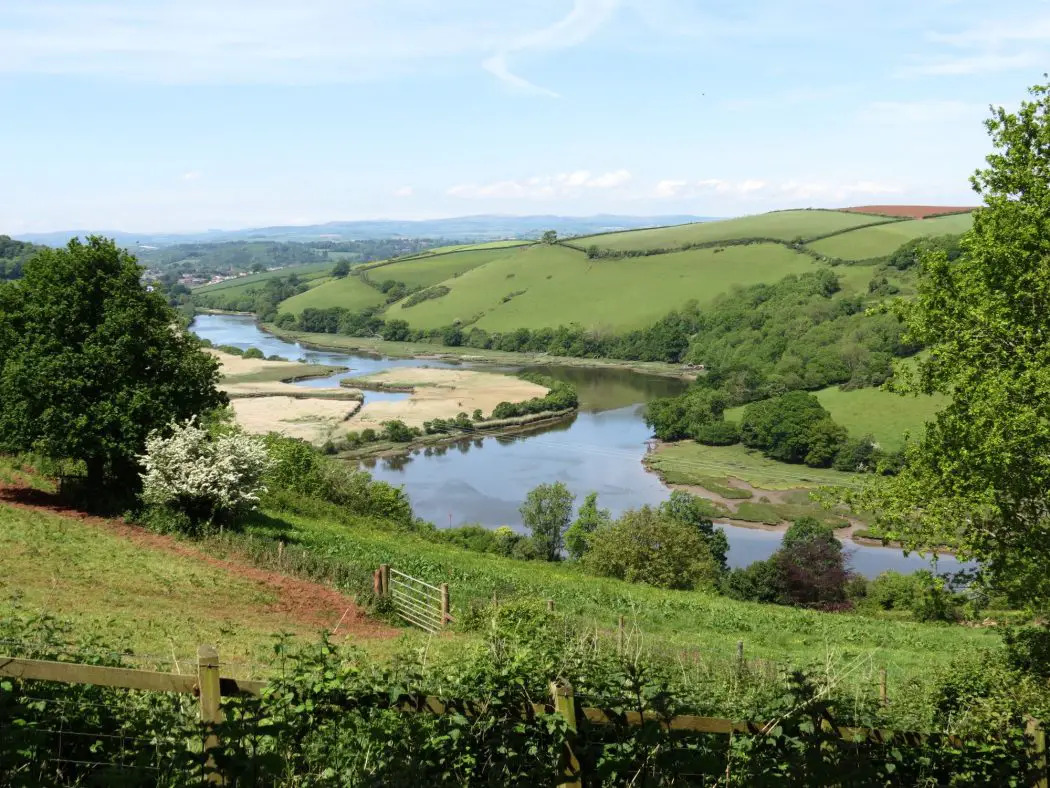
(645, 546)
(718, 433)
(399, 432)
(207, 479)
(758, 582)
(368, 435)
(253, 352)
(478, 416)
(692, 511)
(588, 520)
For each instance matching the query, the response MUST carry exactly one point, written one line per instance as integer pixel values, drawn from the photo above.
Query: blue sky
(152, 115)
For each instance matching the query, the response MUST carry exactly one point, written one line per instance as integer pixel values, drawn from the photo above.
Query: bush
(718, 433)
(399, 432)
(645, 546)
(676, 418)
(253, 352)
(208, 479)
(368, 435)
(921, 593)
(758, 582)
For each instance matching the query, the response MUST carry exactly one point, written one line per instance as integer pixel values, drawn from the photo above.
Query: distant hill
(486, 227)
(616, 281)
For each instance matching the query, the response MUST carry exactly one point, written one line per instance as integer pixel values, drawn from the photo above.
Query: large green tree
(980, 473)
(91, 361)
(547, 512)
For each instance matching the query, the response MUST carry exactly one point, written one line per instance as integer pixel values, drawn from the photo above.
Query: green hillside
(350, 292)
(430, 269)
(553, 285)
(870, 411)
(884, 239)
(782, 225)
(310, 272)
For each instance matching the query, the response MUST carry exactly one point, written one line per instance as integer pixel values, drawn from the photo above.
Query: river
(484, 480)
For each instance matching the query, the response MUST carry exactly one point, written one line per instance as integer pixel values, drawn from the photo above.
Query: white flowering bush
(204, 477)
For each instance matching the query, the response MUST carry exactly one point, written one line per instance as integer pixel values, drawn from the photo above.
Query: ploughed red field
(911, 211)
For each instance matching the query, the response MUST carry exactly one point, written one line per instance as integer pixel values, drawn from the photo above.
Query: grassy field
(870, 411)
(428, 270)
(553, 285)
(886, 238)
(783, 225)
(689, 458)
(349, 292)
(306, 273)
(485, 245)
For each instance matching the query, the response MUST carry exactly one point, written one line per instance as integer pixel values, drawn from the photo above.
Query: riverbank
(421, 350)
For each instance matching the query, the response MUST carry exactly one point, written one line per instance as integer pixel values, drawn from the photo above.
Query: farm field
(484, 245)
(554, 285)
(910, 211)
(308, 272)
(884, 239)
(870, 411)
(349, 292)
(782, 225)
(427, 270)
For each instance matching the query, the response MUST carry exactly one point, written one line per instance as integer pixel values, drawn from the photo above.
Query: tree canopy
(980, 474)
(91, 362)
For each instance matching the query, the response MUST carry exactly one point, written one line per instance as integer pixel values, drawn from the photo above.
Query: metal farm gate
(416, 601)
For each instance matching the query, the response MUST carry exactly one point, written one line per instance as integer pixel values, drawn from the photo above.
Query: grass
(783, 225)
(691, 460)
(485, 245)
(348, 292)
(886, 238)
(431, 269)
(146, 600)
(558, 285)
(306, 272)
(291, 370)
(870, 411)
(671, 618)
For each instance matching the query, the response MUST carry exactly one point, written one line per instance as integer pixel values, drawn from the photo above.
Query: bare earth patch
(441, 394)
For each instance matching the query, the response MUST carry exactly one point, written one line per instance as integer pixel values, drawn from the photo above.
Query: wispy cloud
(404, 191)
(192, 175)
(987, 46)
(586, 17)
(752, 189)
(565, 184)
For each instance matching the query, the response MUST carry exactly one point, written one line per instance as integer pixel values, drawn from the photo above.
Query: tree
(341, 269)
(689, 510)
(546, 512)
(550, 237)
(647, 546)
(91, 362)
(979, 476)
(588, 520)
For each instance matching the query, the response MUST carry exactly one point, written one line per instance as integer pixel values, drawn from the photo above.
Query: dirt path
(312, 604)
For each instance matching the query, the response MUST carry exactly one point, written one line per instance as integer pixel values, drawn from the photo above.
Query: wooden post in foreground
(384, 577)
(1037, 752)
(444, 604)
(621, 636)
(565, 705)
(211, 706)
(550, 605)
(884, 697)
(740, 656)
(377, 583)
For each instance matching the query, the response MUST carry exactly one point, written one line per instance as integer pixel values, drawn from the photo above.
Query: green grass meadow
(348, 292)
(885, 239)
(427, 270)
(553, 285)
(783, 225)
(308, 272)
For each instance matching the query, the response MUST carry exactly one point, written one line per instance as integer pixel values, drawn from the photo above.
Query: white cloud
(670, 188)
(192, 175)
(988, 46)
(586, 17)
(990, 63)
(931, 111)
(566, 184)
(404, 191)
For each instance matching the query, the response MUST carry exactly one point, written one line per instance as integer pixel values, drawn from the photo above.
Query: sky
(184, 115)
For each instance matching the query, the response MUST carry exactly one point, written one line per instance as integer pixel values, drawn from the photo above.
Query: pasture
(781, 225)
(308, 272)
(885, 239)
(428, 270)
(553, 285)
(349, 292)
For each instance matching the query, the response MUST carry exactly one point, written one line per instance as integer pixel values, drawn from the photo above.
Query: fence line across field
(211, 687)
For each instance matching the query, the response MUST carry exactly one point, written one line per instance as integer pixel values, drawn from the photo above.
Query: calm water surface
(484, 480)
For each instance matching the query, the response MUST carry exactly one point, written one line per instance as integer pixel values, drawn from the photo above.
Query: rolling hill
(633, 278)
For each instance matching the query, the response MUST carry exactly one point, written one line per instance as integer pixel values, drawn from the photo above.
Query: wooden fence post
(1037, 752)
(550, 605)
(445, 609)
(884, 697)
(565, 705)
(377, 583)
(384, 576)
(621, 636)
(211, 706)
(740, 656)
(280, 554)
